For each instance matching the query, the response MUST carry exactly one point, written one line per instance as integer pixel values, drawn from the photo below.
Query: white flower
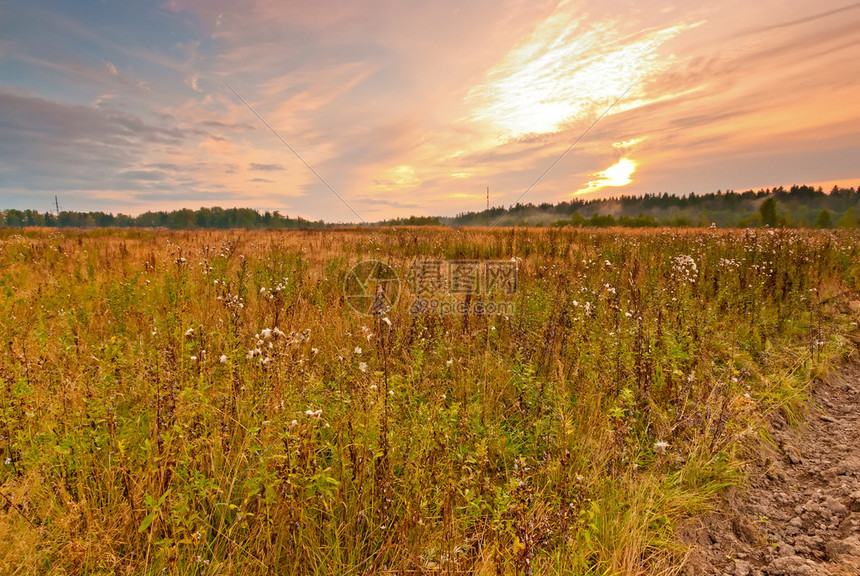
(449, 362)
(189, 333)
(386, 320)
(660, 446)
(223, 359)
(266, 333)
(294, 423)
(194, 358)
(363, 366)
(357, 350)
(373, 387)
(314, 350)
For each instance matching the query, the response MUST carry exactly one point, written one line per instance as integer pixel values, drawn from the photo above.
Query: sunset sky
(407, 107)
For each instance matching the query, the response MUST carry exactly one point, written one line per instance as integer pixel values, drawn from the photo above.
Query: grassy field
(207, 402)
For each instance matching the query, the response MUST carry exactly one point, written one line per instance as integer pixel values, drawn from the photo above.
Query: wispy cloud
(417, 108)
(266, 167)
(565, 71)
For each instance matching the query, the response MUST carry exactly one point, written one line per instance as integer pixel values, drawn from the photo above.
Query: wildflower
(189, 333)
(660, 446)
(373, 387)
(449, 362)
(386, 320)
(223, 359)
(363, 366)
(314, 350)
(266, 333)
(278, 333)
(357, 350)
(194, 358)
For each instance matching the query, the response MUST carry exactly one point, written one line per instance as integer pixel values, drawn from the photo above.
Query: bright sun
(616, 175)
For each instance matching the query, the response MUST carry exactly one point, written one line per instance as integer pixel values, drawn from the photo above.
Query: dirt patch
(799, 514)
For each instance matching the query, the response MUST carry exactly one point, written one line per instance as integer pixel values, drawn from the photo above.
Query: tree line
(185, 219)
(798, 207)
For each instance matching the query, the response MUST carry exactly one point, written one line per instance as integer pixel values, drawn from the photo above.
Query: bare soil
(799, 512)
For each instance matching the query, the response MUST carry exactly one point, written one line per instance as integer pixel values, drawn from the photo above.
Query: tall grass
(207, 403)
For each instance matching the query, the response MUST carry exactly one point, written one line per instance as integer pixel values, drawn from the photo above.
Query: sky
(378, 109)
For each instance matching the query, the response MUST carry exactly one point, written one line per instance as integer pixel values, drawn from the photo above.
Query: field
(209, 403)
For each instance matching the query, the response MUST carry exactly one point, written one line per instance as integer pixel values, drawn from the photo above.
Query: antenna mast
(488, 197)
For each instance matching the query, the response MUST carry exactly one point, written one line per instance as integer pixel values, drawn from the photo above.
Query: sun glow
(564, 72)
(616, 175)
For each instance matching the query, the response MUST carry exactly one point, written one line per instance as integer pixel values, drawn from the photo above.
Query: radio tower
(488, 197)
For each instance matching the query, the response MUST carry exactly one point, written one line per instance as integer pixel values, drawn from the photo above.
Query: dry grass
(468, 444)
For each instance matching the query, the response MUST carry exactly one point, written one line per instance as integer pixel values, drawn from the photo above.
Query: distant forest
(185, 219)
(796, 207)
